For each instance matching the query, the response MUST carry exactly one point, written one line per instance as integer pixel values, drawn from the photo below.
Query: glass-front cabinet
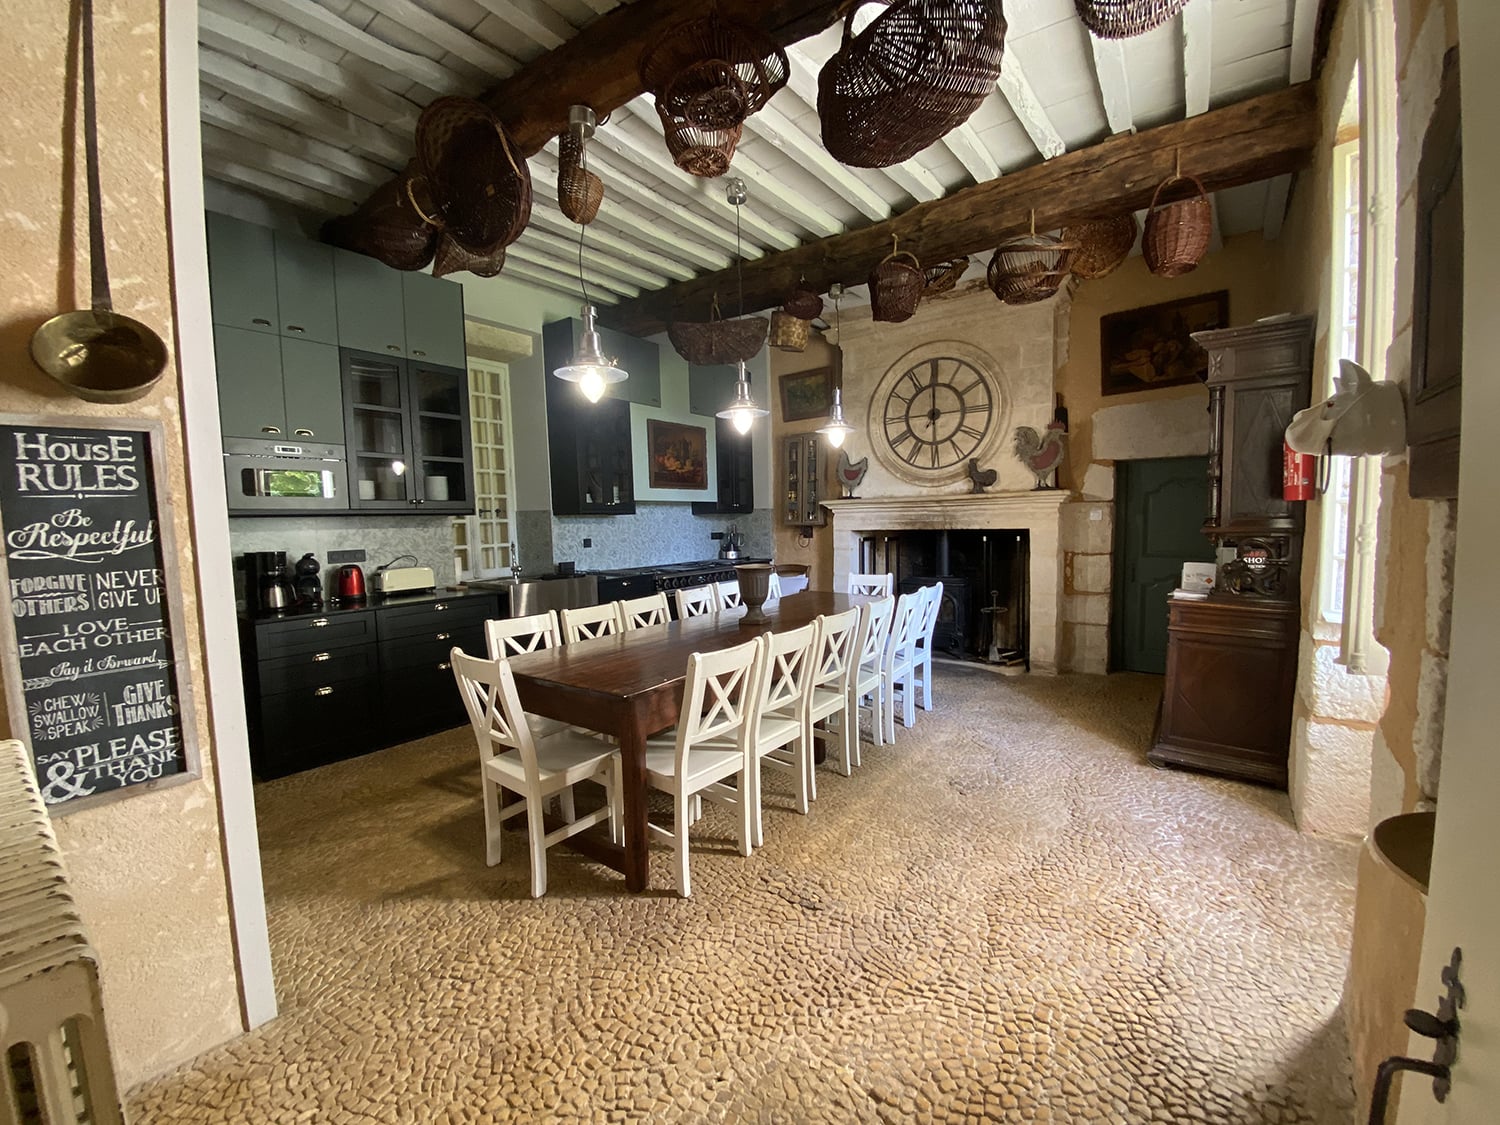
(802, 475)
(407, 433)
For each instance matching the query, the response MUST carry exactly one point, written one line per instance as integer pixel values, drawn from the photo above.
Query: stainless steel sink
(545, 591)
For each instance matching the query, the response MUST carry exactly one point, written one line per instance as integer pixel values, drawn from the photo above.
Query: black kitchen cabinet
(323, 687)
(589, 448)
(735, 462)
(409, 444)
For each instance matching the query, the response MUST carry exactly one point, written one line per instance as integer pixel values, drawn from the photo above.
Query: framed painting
(1151, 347)
(806, 394)
(678, 455)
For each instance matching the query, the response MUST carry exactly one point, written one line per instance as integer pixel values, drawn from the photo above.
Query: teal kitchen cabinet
(305, 290)
(371, 308)
(275, 389)
(434, 320)
(242, 274)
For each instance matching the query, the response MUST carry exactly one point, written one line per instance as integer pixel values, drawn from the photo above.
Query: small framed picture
(1151, 347)
(679, 455)
(806, 394)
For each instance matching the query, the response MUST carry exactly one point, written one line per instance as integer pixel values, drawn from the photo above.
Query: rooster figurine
(851, 473)
(1042, 453)
(982, 478)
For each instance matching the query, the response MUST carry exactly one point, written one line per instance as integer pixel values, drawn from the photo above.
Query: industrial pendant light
(589, 369)
(744, 410)
(836, 429)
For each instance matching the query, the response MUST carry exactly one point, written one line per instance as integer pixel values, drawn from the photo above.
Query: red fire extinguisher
(1296, 474)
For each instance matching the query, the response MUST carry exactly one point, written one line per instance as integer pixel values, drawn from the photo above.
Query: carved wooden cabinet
(1232, 659)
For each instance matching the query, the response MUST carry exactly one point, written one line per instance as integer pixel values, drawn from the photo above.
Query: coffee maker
(267, 587)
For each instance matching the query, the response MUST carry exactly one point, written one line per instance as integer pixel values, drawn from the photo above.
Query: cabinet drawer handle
(303, 433)
(444, 666)
(393, 347)
(319, 622)
(415, 352)
(319, 657)
(260, 320)
(443, 637)
(324, 691)
(295, 328)
(440, 606)
(270, 429)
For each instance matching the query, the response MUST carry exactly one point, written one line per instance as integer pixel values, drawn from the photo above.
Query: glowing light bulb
(592, 385)
(742, 421)
(398, 467)
(835, 438)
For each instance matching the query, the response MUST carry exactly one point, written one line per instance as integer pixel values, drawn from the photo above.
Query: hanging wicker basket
(1121, 19)
(453, 258)
(803, 303)
(699, 151)
(1177, 234)
(943, 278)
(718, 341)
(712, 72)
(1102, 244)
(789, 333)
(388, 226)
(480, 187)
(896, 285)
(1030, 268)
(579, 191)
(918, 71)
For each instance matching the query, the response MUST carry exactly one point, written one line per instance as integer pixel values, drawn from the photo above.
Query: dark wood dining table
(630, 686)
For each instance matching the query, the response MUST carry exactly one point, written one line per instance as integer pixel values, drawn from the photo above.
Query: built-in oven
(272, 477)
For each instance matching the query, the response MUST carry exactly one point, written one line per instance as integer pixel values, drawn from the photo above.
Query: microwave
(271, 477)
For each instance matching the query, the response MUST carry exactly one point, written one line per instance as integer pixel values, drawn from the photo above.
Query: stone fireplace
(1017, 350)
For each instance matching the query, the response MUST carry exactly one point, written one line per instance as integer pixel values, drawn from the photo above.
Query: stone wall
(147, 869)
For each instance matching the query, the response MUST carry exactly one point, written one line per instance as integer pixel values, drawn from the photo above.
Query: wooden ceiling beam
(1240, 143)
(599, 66)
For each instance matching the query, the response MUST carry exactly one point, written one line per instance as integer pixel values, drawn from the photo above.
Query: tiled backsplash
(382, 538)
(657, 533)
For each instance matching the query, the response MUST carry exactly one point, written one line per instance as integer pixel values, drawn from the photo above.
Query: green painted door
(1160, 506)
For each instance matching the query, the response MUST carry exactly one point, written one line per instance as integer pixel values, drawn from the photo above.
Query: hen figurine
(982, 478)
(1042, 453)
(851, 473)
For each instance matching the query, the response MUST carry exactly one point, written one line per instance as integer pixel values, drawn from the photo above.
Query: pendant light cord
(739, 258)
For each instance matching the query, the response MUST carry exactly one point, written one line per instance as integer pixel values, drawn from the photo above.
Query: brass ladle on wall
(98, 354)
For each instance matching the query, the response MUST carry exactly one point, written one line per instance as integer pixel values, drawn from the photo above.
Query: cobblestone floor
(1009, 916)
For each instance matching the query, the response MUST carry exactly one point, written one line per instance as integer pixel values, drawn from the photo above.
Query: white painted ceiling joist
(1114, 83)
(1028, 108)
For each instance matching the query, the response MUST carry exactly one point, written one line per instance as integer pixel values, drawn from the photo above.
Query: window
(482, 542)
(1344, 341)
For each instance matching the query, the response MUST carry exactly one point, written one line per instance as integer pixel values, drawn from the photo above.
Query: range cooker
(633, 582)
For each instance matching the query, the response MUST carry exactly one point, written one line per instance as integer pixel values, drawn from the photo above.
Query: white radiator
(56, 1066)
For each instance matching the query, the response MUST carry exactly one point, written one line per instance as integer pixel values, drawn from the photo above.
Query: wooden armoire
(1232, 659)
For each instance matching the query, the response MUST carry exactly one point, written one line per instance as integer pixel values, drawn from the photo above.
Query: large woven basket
(713, 72)
(918, 71)
(1121, 19)
(454, 258)
(696, 149)
(481, 187)
(716, 341)
(1177, 234)
(788, 333)
(579, 191)
(1102, 244)
(388, 226)
(1029, 268)
(896, 285)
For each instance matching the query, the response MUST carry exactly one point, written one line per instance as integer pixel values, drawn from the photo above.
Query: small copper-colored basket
(579, 191)
(789, 333)
(1177, 234)
(1102, 244)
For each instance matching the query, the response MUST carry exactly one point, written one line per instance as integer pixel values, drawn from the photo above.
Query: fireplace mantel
(1037, 511)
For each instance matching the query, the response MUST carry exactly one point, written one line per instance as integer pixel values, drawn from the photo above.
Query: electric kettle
(350, 584)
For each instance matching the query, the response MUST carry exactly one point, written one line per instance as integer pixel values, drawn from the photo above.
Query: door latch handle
(1442, 1026)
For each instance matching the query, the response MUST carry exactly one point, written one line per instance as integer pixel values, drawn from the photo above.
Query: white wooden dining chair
(513, 756)
(697, 601)
(869, 584)
(592, 621)
(783, 724)
(922, 646)
(897, 668)
(729, 594)
(511, 636)
(642, 613)
(868, 679)
(710, 745)
(773, 594)
(833, 668)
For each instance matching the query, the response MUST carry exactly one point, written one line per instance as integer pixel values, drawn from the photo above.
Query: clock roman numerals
(937, 414)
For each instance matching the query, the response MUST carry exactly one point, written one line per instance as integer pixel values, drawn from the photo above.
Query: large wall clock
(931, 417)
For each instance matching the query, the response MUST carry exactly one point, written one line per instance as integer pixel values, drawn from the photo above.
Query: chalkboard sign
(95, 680)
